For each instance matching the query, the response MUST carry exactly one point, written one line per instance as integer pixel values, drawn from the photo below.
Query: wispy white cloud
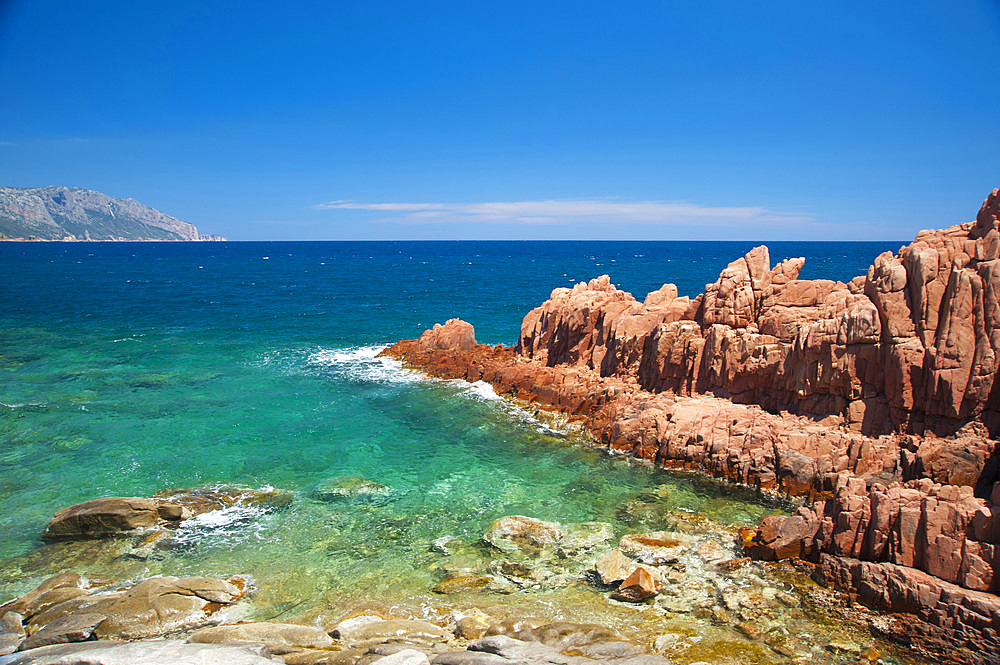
(569, 211)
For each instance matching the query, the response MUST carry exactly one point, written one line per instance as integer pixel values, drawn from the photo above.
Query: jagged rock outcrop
(57, 213)
(874, 398)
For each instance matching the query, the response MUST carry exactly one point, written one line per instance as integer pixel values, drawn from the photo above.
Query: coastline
(850, 395)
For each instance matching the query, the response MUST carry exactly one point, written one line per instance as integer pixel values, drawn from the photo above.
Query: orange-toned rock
(637, 587)
(874, 398)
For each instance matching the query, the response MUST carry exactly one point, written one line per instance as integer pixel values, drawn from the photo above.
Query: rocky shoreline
(690, 570)
(874, 399)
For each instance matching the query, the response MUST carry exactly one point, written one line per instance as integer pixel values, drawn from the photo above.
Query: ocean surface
(129, 368)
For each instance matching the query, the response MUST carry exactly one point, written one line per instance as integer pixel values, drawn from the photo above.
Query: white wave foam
(227, 526)
(479, 390)
(22, 405)
(362, 363)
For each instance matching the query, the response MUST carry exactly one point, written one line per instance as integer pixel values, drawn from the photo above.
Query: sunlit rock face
(874, 398)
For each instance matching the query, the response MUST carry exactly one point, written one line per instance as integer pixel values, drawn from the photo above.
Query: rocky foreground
(874, 400)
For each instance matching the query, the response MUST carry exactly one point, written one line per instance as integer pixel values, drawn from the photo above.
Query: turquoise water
(128, 368)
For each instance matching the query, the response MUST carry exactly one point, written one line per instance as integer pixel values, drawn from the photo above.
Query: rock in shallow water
(459, 581)
(641, 585)
(114, 516)
(348, 487)
(517, 533)
(655, 548)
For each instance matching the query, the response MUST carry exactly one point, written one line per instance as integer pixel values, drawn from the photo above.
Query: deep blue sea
(128, 368)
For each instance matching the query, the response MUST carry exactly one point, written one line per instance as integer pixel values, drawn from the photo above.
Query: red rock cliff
(874, 398)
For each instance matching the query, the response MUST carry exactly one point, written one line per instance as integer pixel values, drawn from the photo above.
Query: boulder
(51, 592)
(114, 516)
(399, 630)
(11, 632)
(519, 534)
(279, 637)
(640, 586)
(110, 516)
(154, 607)
(614, 567)
(656, 547)
(404, 657)
(78, 627)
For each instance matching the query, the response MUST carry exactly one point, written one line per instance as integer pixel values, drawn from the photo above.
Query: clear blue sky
(594, 120)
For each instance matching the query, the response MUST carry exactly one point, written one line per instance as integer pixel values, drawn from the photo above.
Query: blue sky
(553, 120)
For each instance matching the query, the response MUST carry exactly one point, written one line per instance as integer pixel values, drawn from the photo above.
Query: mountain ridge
(74, 213)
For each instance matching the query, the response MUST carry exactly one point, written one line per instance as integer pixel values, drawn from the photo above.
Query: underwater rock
(583, 537)
(520, 534)
(656, 547)
(348, 487)
(458, 582)
(471, 627)
(749, 629)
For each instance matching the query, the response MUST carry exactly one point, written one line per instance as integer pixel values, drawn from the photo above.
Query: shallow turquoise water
(126, 369)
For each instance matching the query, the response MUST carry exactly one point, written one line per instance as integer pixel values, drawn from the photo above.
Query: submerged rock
(458, 582)
(519, 534)
(348, 487)
(656, 548)
(584, 537)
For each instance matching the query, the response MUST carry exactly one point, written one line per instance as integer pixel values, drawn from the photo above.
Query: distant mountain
(70, 213)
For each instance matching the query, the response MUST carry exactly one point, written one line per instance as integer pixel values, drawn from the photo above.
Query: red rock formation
(874, 398)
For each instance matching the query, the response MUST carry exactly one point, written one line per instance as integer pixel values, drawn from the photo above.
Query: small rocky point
(874, 400)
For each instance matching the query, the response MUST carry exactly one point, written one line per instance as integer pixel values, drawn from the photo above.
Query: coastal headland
(874, 400)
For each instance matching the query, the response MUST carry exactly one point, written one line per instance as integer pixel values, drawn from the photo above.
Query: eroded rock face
(874, 398)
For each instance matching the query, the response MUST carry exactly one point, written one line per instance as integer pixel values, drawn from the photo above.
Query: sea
(130, 368)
